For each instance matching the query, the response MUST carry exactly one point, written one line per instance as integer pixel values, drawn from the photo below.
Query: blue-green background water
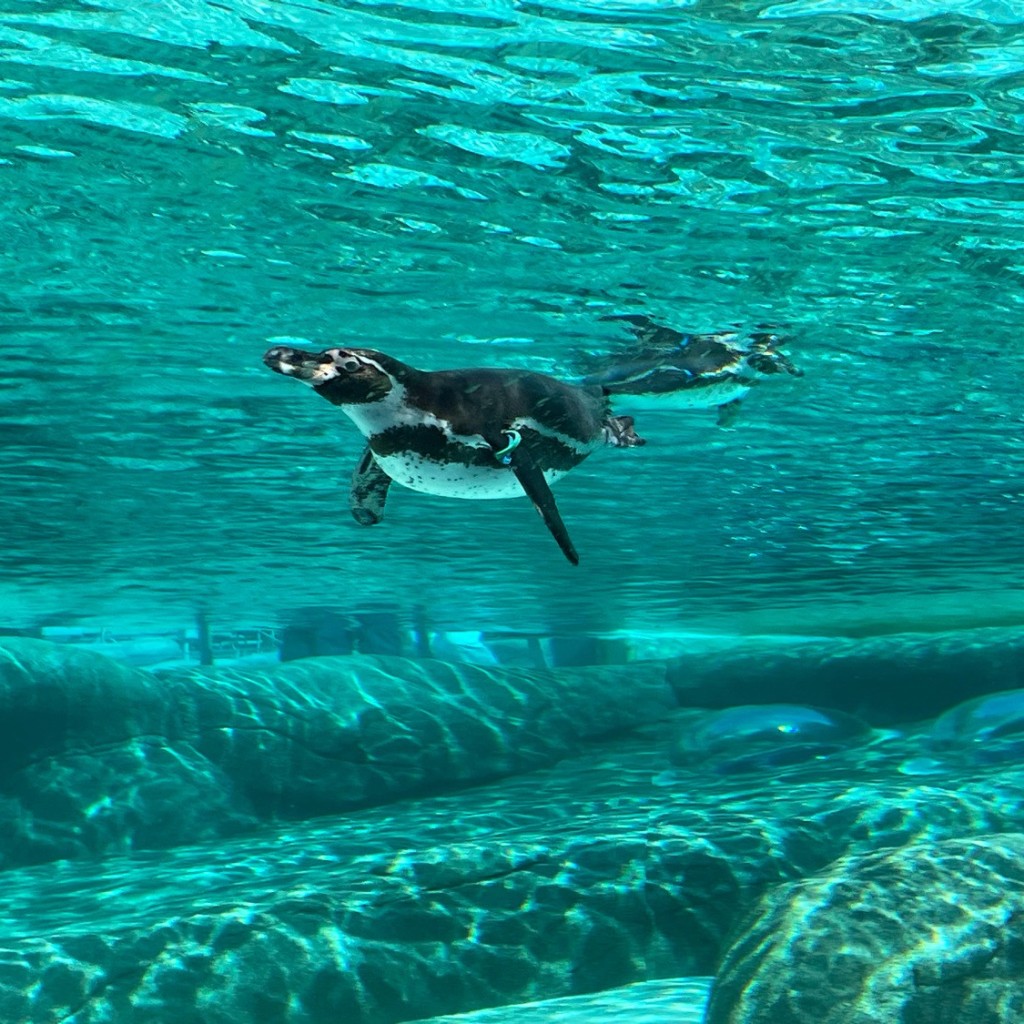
(371, 841)
(477, 184)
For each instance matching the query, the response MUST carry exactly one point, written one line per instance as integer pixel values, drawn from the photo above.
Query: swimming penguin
(501, 433)
(672, 370)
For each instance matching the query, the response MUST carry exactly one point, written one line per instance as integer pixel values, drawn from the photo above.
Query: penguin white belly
(693, 398)
(454, 479)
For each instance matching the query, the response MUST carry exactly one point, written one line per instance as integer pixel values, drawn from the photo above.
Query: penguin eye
(350, 365)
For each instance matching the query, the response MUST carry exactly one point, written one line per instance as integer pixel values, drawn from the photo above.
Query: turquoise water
(185, 183)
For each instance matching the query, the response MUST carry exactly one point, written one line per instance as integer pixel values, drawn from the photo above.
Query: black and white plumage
(670, 369)
(488, 433)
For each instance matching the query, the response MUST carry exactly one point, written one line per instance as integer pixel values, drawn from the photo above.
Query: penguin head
(344, 376)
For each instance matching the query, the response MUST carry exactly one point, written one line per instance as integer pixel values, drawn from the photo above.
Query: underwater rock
(926, 934)
(883, 679)
(759, 736)
(327, 734)
(111, 798)
(93, 759)
(570, 879)
(55, 697)
(216, 936)
(97, 757)
(581, 876)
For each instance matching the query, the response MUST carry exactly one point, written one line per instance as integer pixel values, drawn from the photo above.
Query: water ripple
(998, 12)
(133, 117)
(456, 183)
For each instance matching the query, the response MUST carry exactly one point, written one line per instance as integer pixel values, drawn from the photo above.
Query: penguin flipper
(531, 479)
(369, 490)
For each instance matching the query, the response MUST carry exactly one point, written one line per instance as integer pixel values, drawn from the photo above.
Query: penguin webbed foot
(364, 517)
(619, 432)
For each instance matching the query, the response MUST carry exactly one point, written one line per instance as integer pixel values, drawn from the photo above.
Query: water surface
(477, 184)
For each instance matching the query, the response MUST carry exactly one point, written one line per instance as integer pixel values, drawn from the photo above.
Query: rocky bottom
(369, 841)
